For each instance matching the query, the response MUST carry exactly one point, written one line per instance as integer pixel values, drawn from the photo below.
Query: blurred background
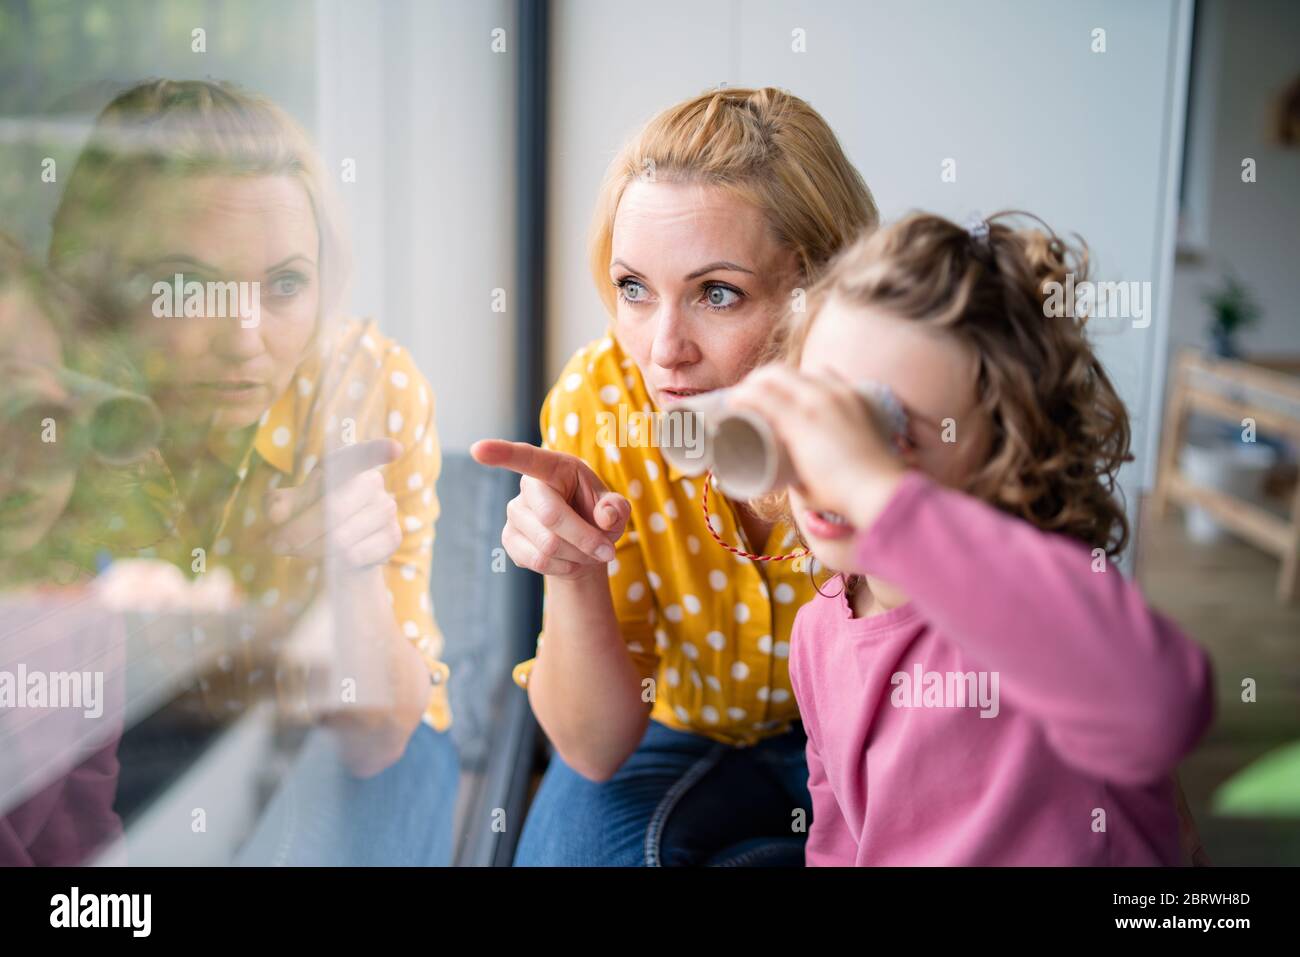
(1166, 134)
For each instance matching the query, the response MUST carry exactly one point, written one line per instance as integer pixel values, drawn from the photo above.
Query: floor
(1222, 595)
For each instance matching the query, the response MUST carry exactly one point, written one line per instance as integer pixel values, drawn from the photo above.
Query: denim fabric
(324, 816)
(679, 800)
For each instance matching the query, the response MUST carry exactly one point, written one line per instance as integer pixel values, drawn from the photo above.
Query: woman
(660, 675)
(298, 449)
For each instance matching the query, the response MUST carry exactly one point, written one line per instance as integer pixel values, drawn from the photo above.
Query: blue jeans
(679, 800)
(324, 816)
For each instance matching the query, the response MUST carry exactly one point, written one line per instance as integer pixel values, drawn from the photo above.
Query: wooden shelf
(1268, 392)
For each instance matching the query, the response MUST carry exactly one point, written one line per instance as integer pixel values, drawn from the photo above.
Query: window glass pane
(250, 328)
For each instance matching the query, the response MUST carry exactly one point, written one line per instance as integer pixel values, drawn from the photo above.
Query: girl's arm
(1120, 692)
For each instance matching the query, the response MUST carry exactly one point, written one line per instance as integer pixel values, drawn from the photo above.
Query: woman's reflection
(299, 450)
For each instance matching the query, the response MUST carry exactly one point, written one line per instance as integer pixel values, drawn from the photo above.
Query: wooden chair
(1268, 392)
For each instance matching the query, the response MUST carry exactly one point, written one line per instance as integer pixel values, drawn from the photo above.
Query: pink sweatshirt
(1091, 700)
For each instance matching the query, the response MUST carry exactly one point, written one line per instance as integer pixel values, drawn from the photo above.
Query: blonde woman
(299, 448)
(660, 675)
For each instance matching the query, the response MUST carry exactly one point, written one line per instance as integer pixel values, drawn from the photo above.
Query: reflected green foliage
(61, 61)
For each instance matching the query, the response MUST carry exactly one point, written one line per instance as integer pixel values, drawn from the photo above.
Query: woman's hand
(342, 512)
(840, 449)
(564, 521)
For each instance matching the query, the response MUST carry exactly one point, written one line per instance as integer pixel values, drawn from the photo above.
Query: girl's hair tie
(978, 228)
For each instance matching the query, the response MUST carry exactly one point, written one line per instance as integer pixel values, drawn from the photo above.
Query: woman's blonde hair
(770, 148)
(163, 129)
(1059, 430)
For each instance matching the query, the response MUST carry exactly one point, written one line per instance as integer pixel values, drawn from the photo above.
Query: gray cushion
(478, 609)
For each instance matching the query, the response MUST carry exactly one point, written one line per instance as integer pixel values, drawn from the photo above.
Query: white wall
(412, 91)
(1247, 53)
(613, 65)
(88, 53)
(1011, 90)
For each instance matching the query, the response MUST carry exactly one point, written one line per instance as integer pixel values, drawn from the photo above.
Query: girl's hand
(841, 451)
(564, 521)
(153, 585)
(343, 511)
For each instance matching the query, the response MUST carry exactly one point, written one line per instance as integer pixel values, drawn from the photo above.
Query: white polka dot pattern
(718, 673)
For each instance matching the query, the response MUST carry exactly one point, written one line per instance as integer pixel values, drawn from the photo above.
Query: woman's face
(224, 369)
(702, 281)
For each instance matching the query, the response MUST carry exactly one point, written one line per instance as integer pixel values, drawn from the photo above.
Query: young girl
(58, 771)
(985, 688)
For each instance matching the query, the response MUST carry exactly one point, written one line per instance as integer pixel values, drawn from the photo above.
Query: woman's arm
(372, 738)
(371, 518)
(585, 688)
(376, 685)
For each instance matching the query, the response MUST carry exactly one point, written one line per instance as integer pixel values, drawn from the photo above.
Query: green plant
(1232, 307)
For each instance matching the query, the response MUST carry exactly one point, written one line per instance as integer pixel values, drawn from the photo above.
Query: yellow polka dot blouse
(712, 628)
(362, 386)
(357, 385)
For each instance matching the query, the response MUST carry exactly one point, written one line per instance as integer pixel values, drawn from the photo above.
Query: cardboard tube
(121, 427)
(747, 458)
(687, 429)
(749, 461)
(702, 433)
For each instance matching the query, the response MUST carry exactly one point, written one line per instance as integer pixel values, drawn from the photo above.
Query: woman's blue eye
(632, 290)
(720, 297)
(286, 285)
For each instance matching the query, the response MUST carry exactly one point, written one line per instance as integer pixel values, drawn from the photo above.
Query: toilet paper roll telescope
(117, 426)
(705, 433)
(120, 427)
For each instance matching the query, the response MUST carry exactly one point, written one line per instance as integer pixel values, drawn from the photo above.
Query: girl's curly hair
(1059, 430)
